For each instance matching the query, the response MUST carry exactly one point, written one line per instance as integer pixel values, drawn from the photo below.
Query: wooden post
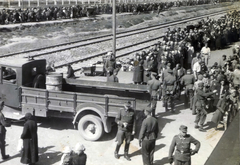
(62, 2)
(46, 2)
(19, 3)
(29, 3)
(37, 2)
(114, 26)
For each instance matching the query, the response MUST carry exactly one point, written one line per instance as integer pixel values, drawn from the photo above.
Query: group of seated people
(37, 14)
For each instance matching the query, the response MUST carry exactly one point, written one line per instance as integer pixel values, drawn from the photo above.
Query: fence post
(69, 2)
(55, 2)
(9, 3)
(29, 3)
(62, 2)
(46, 2)
(37, 2)
(19, 3)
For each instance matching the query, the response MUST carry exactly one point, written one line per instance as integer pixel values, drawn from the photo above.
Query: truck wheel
(90, 127)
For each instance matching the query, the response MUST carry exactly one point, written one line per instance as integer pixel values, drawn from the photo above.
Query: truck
(26, 87)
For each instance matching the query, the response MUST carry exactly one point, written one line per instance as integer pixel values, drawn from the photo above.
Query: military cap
(154, 73)
(183, 128)
(201, 84)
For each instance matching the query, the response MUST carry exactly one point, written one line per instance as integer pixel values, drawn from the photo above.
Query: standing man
(147, 137)
(30, 141)
(188, 82)
(205, 51)
(183, 152)
(125, 120)
(3, 132)
(154, 86)
(201, 99)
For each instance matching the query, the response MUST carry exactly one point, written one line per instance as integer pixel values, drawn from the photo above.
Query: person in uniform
(182, 143)
(201, 97)
(3, 124)
(188, 82)
(154, 86)
(147, 137)
(125, 120)
(169, 85)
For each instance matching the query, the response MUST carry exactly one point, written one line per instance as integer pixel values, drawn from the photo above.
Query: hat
(128, 104)
(67, 150)
(79, 147)
(183, 128)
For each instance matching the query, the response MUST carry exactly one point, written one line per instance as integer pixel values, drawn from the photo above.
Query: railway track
(103, 38)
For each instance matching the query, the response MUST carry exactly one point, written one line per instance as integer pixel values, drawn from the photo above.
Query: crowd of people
(180, 63)
(37, 14)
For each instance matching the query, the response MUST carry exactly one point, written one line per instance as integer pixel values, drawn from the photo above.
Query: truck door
(8, 87)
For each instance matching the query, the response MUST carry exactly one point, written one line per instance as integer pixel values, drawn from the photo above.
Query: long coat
(30, 142)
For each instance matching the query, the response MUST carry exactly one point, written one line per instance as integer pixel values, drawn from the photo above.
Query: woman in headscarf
(29, 135)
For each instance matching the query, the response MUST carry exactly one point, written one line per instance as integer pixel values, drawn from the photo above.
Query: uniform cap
(28, 115)
(183, 128)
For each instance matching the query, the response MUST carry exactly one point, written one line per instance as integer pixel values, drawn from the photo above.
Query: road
(54, 134)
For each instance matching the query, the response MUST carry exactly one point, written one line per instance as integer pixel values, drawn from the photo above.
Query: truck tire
(90, 127)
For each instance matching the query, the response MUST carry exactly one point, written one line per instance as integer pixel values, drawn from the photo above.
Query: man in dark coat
(30, 141)
(125, 120)
(3, 124)
(182, 142)
(147, 137)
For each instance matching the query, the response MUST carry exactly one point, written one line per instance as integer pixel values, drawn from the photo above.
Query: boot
(116, 151)
(4, 156)
(126, 151)
(126, 156)
(201, 128)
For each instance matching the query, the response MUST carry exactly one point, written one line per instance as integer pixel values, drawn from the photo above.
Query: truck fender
(91, 108)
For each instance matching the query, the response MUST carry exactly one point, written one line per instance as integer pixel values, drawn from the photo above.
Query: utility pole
(114, 26)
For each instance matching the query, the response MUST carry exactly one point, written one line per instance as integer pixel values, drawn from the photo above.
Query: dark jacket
(149, 129)
(79, 159)
(30, 142)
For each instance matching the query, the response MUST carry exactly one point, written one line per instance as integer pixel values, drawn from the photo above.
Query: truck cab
(17, 73)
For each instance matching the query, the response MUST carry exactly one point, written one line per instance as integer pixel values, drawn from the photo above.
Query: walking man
(182, 143)
(126, 129)
(3, 124)
(147, 137)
